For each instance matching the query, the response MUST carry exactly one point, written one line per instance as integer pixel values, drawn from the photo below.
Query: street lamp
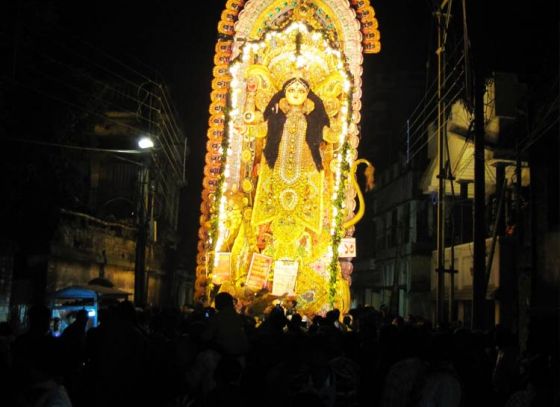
(146, 143)
(144, 213)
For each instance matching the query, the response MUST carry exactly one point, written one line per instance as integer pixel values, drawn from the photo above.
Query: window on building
(403, 273)
(406, 222)
(388, 275)
(423, 221)
(380, 245)
(393, 234)
(373, 235)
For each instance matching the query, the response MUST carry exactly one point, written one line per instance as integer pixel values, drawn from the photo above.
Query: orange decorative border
(216, 123)
(371, 37)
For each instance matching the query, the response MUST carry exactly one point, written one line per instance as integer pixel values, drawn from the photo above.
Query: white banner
(347, 247)
(285, 274)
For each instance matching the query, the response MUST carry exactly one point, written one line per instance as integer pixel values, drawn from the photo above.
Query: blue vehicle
(66, 302)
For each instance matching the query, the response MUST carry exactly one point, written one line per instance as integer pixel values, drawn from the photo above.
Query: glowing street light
(145, 143)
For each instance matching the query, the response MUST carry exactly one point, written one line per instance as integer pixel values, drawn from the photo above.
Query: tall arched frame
(257, 45)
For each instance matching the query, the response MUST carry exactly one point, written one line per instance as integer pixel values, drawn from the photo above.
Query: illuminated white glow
(145, 143)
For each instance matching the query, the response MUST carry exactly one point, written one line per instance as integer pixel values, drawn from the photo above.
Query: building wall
(6, 277)
(401, 245)
(85, 248)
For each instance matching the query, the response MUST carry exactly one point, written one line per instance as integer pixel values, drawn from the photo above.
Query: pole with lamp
(146, 144)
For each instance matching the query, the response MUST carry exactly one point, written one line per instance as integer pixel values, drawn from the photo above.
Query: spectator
(225, 331)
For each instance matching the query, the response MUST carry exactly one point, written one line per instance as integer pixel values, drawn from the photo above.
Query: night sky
(173, 41)
(177, 38)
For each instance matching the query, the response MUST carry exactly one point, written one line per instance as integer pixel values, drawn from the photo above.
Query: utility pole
(440, 243)
(479, 311)
(452, 271)
(144, 216)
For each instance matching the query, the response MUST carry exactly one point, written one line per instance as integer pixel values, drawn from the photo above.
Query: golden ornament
(246, 156)
(247, 185)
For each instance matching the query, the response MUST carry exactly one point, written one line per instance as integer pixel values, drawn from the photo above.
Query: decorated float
(280, 199)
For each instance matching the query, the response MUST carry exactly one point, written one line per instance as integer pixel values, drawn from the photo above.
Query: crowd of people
(218, 357)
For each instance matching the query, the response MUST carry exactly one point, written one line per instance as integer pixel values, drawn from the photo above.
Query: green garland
(339, 232)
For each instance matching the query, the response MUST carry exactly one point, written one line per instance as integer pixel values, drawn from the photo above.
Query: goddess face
(296, 93)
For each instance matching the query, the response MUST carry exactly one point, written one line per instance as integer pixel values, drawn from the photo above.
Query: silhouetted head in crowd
(39, 319)
(228, 370)
(224, 301)
(503, 337)
(295, 323)
(126, 311)
(296, 319)
(440, 348)
(276, 318)
(82, 317)
(307, 399)
(333, 315)
(398, 321)
(5, 329)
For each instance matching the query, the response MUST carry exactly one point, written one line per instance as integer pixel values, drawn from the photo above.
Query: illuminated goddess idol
(279, 199)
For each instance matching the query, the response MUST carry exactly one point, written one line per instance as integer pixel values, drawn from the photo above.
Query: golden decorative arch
(348, 28)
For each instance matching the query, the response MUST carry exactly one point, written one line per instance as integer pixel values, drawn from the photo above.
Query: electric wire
(416, 128)
(86, 59)
(83, 92)
(177, 172)
(164, 118)
(421, 129)
(538, 136)
(431, 87)
(419, 149)
(93, 79)
(79, 107)
(172, 112)
(170, 133)
(422, 103)
(73, 147)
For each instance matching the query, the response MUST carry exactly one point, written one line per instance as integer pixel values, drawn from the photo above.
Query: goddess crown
(297, 51)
